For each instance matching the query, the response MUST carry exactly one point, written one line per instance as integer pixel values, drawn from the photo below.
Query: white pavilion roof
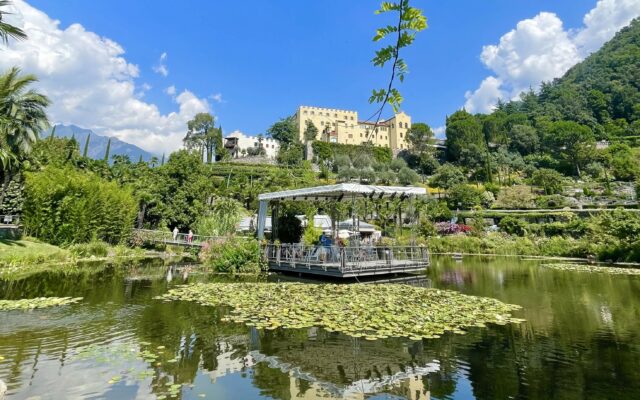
(345, 191)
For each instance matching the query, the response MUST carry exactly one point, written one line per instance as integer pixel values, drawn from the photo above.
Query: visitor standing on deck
(175, 233)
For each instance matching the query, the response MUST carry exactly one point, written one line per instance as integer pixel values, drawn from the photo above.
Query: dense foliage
(64, 206)
(233, 254)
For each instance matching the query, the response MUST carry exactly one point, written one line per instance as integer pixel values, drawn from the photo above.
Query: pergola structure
(339, 260)
(339, 192)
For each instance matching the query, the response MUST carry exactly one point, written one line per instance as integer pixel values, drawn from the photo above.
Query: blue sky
(253, 62)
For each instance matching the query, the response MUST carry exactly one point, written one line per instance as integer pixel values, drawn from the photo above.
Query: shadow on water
(581, 340)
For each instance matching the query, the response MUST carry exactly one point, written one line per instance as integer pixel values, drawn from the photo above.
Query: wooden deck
(366, 268)
(346, 262)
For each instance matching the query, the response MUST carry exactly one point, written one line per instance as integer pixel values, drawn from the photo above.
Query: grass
(22, 258)
(31, 249)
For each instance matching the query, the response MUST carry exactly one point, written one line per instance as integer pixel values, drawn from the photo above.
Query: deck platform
(347, 262)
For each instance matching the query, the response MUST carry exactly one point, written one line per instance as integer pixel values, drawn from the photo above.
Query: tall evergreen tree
(86, 146)
(106, 152)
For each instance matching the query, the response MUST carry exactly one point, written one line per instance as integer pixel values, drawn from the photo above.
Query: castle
(343, 126)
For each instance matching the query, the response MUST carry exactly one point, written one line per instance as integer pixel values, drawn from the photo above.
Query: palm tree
(22, 116)
(9, 31)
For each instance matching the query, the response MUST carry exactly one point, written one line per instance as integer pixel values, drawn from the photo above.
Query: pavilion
(335, 260)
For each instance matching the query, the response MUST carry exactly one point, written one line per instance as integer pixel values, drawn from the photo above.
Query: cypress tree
(140, 159)
(86, 146)
(162, 162)
(106, 153)
(53, 132)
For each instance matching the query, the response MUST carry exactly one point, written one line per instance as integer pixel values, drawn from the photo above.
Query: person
(190, 236)
(175, 233)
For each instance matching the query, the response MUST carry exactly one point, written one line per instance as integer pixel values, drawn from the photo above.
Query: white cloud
(171, 90)
(603, 21)
(142, 90)
(540, 49)
(483, 100)
(161, 67)
(439, 132)
(216, 97)
(92, 85)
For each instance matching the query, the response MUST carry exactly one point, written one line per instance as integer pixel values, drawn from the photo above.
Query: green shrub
(513, 226)
(222, 219)
(324, 151)
(233, 254)
(515, 197)
(94, 248)
(311, 234)
(552, 201)
(464, 196)
(427, 228)
(65, 206)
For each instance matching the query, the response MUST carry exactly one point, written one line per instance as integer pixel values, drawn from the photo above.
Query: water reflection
(581, 340)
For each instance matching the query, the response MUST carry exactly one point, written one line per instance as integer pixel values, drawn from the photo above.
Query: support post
(262, 218)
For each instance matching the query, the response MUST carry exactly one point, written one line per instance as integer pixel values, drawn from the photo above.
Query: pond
(581, 339)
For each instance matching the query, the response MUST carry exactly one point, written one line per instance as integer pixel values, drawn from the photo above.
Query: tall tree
(310, 131)
(107, 150)
(420, 138)
(284, 131)
(463, 130)
(7, 30)
(203, 136)
(22, 116)
(575, 142)
(86, 146)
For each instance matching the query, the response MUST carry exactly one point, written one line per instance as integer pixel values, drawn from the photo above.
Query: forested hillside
(559, 126)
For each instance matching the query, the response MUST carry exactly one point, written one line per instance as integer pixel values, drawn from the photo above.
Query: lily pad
(38, 302)
(368, 311)
(593, 269)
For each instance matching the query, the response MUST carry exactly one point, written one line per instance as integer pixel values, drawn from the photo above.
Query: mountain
(98, 143)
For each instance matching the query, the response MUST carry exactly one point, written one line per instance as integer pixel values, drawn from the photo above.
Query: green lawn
(30, 249)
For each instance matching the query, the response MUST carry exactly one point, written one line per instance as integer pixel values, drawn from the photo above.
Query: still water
(581, 341)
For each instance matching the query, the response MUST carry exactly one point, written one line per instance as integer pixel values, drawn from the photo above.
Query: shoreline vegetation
(28, 256)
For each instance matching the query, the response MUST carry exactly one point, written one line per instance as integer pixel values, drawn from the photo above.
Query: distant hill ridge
(602, 91)
(98, 143)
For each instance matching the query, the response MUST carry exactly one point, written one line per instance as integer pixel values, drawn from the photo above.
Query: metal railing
(9, 219)
(148, 235)
(345, 258)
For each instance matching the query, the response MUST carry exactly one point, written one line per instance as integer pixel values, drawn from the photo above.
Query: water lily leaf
(369, 311)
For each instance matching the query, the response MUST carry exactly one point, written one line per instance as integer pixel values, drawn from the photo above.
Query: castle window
(400, 134)
(350, 136)
(321, 122)
(304, 112)
(312, 112)
(334, 115)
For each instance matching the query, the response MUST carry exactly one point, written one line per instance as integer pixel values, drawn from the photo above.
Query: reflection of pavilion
(304, 385)
(322, 364)
(228, 362)
(411, 388)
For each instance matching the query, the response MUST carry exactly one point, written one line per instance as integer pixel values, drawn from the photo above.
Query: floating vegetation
(593, 268)
(38, 302)
(133, 362)
(368, 311)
